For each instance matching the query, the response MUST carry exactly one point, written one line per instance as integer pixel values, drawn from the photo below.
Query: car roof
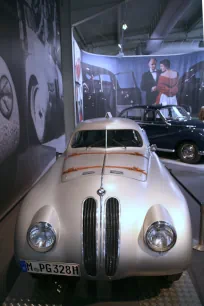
(95, 70)
(109, 124)
(153, 107)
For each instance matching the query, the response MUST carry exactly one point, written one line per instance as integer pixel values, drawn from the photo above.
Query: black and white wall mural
(31, 94)
(78, 90)
(113, 83)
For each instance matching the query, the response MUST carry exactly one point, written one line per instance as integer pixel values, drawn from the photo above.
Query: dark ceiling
(153, 26)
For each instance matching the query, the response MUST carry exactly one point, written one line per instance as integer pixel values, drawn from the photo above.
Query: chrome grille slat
(112, 236)
(89, 236)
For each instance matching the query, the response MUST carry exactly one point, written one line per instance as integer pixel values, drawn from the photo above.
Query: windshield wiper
(97, 142)
(122, 145)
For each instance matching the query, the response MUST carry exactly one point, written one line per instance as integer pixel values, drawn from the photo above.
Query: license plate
(67, 269)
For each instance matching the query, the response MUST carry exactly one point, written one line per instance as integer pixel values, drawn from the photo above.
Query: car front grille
(89, 236)
(111, 236)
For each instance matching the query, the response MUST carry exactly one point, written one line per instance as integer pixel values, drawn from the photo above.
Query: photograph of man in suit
(149, 82)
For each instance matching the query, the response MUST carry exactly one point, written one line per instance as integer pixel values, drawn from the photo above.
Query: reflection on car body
(171, 128)
(105, 215)
(104, 91)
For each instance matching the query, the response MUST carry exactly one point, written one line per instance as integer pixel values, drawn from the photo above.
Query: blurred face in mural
(163, 68)
(165, 65)
(152, 64)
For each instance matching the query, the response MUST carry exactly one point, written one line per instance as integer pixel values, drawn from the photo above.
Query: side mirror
(153, 148)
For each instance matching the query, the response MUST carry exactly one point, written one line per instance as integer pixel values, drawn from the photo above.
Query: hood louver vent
(116, 172)
(88, 172)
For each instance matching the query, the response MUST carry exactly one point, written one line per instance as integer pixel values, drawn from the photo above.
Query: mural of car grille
(111, 236)
(89, 236)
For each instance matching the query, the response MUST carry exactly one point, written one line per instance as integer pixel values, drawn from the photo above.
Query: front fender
(194, 135)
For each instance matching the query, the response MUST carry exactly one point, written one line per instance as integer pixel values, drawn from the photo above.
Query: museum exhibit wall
(78, 88)
(31, 95)
(112, 83)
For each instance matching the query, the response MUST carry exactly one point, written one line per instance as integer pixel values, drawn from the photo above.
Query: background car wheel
(37, 111)
(188, 153)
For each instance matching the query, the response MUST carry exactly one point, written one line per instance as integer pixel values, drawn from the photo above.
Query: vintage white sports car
(108, 209)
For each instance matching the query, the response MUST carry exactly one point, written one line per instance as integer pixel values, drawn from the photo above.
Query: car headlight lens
(41, 237)
(160, 236)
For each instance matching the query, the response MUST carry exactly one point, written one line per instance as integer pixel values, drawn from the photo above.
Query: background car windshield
(174, 113)
(115, 138)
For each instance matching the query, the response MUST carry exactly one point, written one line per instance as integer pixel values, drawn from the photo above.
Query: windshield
(174, 113)
(115, 138)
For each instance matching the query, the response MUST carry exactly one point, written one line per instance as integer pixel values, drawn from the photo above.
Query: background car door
(127, 91)
(157, 129)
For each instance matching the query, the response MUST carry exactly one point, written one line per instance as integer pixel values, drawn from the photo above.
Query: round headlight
(41, 237)
(160, 236)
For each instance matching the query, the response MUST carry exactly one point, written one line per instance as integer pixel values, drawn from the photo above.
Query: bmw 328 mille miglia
(107, 209)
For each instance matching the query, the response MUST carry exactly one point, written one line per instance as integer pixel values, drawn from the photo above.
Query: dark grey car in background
(171, 128)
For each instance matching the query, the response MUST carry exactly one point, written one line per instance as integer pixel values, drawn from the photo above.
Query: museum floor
(17, 288)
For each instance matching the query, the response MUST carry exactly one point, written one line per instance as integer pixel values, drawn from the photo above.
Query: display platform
(134, 291)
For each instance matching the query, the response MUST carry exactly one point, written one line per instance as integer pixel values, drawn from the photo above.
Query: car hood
(128, 164)
(191, 122)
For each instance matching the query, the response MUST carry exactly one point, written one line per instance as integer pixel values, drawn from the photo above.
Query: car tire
(37, 112)
(188, 153)
(173, 278)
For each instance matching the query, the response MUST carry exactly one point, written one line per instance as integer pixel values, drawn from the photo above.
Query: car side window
(149, 116)
(158, 118)
(135, 114)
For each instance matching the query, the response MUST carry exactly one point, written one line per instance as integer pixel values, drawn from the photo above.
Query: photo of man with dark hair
(149, 82)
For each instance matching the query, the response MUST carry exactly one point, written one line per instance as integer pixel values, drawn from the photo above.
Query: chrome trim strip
(166, 150)
(153, 124)
(103, 169)
(101, 229)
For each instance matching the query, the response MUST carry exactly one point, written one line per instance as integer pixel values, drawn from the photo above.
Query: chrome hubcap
(38, 112)
(188, 151)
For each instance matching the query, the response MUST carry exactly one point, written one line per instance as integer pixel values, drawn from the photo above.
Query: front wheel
(188, 153)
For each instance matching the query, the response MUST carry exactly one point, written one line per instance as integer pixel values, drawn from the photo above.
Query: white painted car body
(145, 192)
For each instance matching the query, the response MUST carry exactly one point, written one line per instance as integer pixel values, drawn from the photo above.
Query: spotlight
(124, 26)
(119, 45)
